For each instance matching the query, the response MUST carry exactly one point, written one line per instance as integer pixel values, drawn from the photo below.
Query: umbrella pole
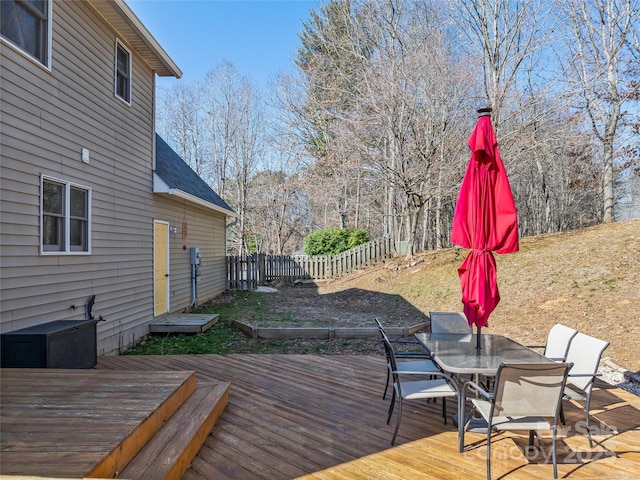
(478, 333)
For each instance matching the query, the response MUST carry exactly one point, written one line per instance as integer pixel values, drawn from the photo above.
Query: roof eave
(161, 187)
(203, 203)
(121, 18)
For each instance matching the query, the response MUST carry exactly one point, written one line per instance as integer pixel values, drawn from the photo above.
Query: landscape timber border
(324, 333)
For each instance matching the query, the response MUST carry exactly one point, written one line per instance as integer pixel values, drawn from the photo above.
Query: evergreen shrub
(330, 241)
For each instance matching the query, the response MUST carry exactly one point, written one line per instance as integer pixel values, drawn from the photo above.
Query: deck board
(323, 417)
(184, 323)
(80, 422)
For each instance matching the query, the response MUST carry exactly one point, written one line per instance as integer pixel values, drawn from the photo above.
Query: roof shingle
(178, 175)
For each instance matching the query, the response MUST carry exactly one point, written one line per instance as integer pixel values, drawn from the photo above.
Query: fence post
(251, 271)
(261, 269)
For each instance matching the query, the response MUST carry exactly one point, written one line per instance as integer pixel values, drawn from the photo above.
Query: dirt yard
(587, 279)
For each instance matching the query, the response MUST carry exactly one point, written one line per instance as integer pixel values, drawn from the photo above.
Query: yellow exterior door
(160, 268)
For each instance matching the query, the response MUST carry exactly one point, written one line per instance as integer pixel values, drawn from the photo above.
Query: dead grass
(587, 279)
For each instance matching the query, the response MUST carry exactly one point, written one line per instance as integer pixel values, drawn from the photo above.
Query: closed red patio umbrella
(485, 221)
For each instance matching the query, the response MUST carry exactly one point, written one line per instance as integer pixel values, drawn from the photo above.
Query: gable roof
(173, 176)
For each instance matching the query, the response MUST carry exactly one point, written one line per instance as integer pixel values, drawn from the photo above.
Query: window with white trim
(123, 72)
(26, 24)
(65, 218)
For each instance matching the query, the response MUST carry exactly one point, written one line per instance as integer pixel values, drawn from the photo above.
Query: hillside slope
(588, 279)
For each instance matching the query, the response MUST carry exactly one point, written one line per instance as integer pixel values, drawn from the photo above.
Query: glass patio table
(459, 355)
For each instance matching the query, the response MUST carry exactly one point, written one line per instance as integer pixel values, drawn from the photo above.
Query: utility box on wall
(58, 344)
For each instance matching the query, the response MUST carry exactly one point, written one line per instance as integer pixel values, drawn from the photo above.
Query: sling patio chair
(585, 353)
(416, 389)
(417, 362)
(526, 396)
(449, 322)
(558, 341)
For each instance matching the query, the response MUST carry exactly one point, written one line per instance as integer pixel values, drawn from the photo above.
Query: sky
(260, 37)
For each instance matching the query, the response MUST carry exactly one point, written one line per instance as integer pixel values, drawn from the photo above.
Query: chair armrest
(435, 373)
(411, 342)
(418, 355)
(585, 375)
(474, 386)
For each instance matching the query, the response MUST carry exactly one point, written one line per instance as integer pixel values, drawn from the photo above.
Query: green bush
(334, 240)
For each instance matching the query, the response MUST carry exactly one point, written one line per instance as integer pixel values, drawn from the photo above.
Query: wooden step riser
(121, 455)
(169, 453)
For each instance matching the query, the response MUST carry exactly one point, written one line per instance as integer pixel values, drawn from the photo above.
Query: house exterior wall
(47, 117)
(205, 231)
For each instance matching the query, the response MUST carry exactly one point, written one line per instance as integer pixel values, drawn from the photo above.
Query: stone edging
(629, 375)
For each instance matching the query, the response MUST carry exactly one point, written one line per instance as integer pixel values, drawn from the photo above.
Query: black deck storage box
(59, 344)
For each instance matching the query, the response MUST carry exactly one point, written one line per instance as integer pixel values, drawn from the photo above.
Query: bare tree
(277, 212)
(409, 110)
(507, 33)
(371, 129)
(330, 62)
(181, 123)
(606, 67)
(522, 81)
(378, 72)
(235, 120)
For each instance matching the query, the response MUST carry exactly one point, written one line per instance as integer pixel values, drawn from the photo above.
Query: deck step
(130, 445)
(169, 453)
(83, 423)
(184, 323)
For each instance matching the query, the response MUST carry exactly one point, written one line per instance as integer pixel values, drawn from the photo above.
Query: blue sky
(259, 36)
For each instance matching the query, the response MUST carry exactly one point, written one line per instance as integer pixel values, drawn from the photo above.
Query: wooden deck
(322, 417)
(104, 424)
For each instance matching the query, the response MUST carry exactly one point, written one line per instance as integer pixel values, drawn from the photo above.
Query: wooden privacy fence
(245, 272)
(250, 271)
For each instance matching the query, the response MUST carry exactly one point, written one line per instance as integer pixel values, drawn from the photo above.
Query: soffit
(121, 18)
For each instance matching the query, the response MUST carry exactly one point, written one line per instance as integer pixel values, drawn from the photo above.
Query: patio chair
(418, 363)
(585, 353)
(526, 396)
(416, 389)
(449, 322)
(558, 341)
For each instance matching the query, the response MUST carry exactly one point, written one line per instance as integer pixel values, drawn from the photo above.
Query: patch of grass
(287, 318)
(237, 304)
(318, 349)
(610, 284)
(221, 338)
